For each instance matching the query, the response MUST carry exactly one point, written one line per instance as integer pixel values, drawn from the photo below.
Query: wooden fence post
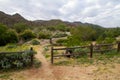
(52, 54)
(118, 48)
(31, 49)
(50, 40)
(91, 50)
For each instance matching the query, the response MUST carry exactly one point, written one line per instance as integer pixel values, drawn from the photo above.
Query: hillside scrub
(21, 27)
(14, 59)
(7, 35)
(27, 35)
(44, 35)
(35, 42)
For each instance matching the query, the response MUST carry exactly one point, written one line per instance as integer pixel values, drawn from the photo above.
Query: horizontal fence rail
(92, 49)
(70, 48)
(19, 52)
(12, 52)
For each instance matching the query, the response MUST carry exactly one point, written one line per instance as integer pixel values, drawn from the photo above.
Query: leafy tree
(21, 27)
(61, 27)
(44, 35)
(83, 33)
(12, 36)
(7, 35)
(3, 28)
(27, 35)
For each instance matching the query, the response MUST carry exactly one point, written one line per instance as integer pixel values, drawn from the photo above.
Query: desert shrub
(11, 36)
(27, 35)
(7, 35)
(106, 40)
(46, 48)
(75, 41)
(62, 41)
(13, 48)
(37, 63)
(15, 60)
(3, 28)
(20, 27)
(35, 42)
(60, 35)
(43, 35)
(47, 55)
(80, 52)
(10, 46)
(109, 40)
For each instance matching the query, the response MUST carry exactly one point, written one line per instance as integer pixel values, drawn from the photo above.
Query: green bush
(62, 41)
(7, 35)
(11, 36)
(81, 52)
(58, 35)
(15, 60)
(20, 27)
(35, 42)
(27, 35)
(10, 46)
(109, 40)
(46, 48)
(106, 40)
(13, 48)
(37, 63)
(43, 35)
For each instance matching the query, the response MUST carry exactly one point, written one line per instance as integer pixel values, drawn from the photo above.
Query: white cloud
(102, 12)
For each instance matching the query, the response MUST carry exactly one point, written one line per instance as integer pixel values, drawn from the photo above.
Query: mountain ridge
(10, 20)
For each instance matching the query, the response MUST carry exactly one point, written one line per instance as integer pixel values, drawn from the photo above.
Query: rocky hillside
(10, 20)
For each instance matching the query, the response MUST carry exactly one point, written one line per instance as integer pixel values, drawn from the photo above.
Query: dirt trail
(47, 73)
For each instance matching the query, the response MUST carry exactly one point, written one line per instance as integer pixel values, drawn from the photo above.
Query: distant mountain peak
(16, 14)
(2, 12)
(18, 17)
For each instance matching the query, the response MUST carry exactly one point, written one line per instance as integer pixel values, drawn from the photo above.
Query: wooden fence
(20, 52)
(99, 48)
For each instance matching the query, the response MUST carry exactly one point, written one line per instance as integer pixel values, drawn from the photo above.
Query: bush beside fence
(21, 59)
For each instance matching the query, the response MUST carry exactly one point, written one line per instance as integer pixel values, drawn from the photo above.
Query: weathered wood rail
(19, 52)
(108, 47)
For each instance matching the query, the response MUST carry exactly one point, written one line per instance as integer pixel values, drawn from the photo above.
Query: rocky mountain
(10, 20)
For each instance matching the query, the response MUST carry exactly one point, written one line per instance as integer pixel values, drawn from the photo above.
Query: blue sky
(102, 12)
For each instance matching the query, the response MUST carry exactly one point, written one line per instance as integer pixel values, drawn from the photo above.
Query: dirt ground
(53, 72)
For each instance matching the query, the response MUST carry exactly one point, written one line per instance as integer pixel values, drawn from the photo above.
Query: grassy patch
(107, 57)
(98, 58)
(5, 76)
(13, 48)
(63, 63)
(47, 55)
(37, 63)
(35, 42)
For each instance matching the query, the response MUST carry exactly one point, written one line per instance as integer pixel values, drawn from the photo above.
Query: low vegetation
(35, 42)
(98, 59)
(13, 48)
(15, 57)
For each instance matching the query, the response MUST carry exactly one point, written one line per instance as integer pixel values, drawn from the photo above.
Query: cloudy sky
(102, 12)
